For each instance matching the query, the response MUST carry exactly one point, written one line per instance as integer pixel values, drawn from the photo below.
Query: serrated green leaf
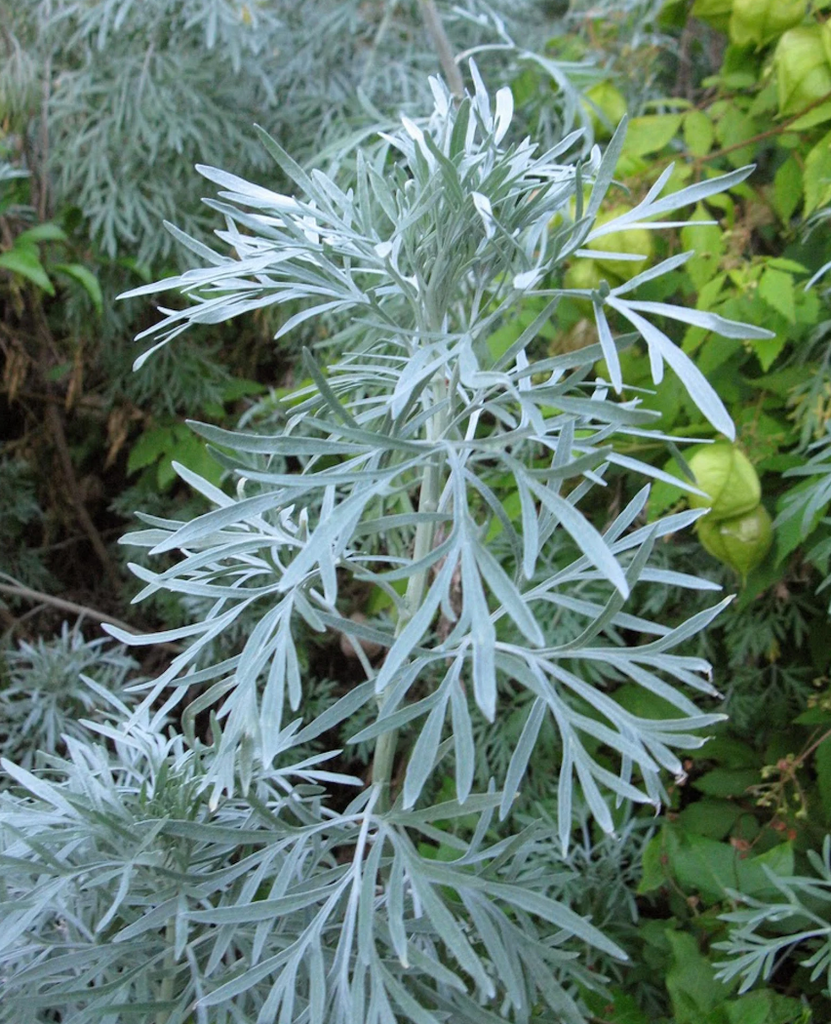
(817, 174)
(777, 289)
(787, 188)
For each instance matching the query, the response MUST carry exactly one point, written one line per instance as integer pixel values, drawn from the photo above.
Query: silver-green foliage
(47, 687)
(19, 513)
(127, 93)
(122, 97)
(259, 885)
(762, 931)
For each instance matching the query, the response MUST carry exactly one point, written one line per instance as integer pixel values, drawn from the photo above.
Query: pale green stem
(430, 492)
(166, 988)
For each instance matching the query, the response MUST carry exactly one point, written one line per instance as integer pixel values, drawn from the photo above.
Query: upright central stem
(166, 990)
(428, 500)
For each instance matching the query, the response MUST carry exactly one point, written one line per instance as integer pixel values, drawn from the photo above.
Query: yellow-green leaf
(777, 289)
(651, 133)
(707, 242)
(698, 133)
(149, 447)
(815, 116)
(767, 350)
(734, 127)
(787, 188)
(607, 108)
(710, 292)
(817, 175)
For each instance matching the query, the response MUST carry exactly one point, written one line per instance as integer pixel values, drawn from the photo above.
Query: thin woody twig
(28, 594)
(435, 28)
(65, 606)
(780, 129)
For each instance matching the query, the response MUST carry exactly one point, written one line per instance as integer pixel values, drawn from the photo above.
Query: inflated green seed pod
(741, 542)
(803, 70)
(759, 22)
(637, 241)
(585, 274)
(714, 12)
(727, 476)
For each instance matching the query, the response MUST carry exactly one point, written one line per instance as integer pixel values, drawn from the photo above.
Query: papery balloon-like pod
(759, 22)
(728, 478)
(741, 542)
(635, 241)
(803, 67)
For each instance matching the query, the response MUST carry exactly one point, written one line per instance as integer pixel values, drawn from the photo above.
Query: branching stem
(384, 757)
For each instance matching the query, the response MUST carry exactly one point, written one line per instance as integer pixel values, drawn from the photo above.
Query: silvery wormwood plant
(222, 873)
